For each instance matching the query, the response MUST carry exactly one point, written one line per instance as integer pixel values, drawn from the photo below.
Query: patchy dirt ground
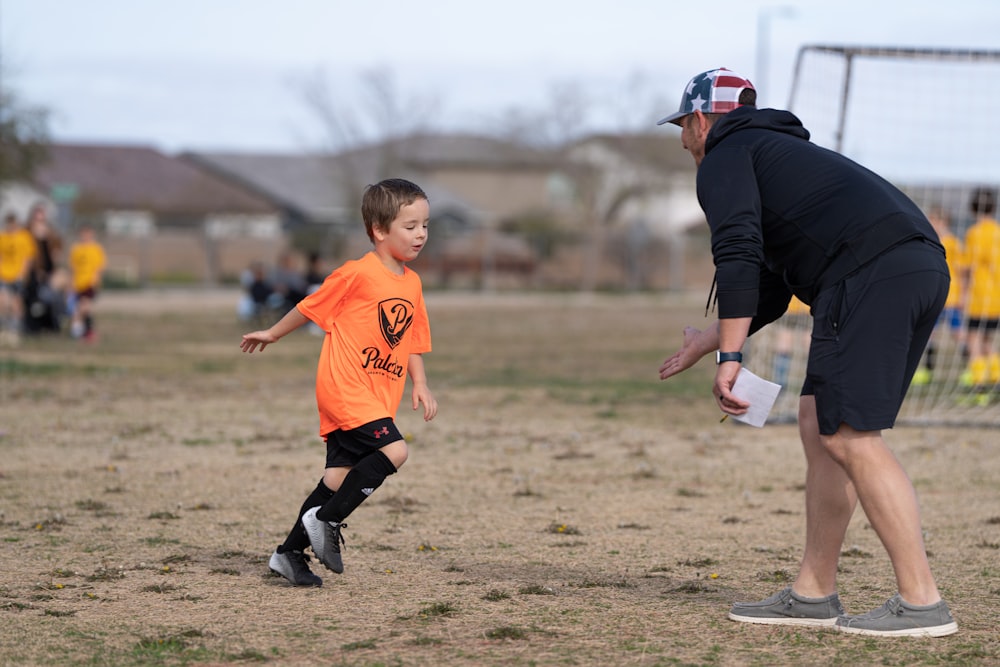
(565, 508)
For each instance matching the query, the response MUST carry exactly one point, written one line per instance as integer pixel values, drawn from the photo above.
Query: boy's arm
(292, 320)
(421, 392)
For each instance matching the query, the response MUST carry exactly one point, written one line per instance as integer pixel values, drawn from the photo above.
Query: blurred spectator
(86, 262)
(47, 281)
(288, 282)
(257, 292)
(17, 249)
(982, 252)
(316, 272)
(951, 323)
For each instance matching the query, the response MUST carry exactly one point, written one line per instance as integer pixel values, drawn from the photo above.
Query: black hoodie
(788, 216)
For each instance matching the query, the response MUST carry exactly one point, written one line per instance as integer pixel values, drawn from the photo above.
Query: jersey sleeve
(421, 329)
(323, 305)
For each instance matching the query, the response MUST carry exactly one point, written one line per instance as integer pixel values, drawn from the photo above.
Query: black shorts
(344, 449)
(986, 324)
(869, 332)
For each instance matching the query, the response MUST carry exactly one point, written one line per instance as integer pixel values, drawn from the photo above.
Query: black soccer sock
(298, 539)
(930, 357)
(360, 483)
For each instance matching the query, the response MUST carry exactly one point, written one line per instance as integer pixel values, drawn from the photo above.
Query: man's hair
(381, 202)
(984, 201)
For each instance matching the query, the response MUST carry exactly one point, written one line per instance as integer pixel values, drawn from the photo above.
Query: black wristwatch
(721, 357)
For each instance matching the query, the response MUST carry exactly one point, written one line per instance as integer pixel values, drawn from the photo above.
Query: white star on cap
(698, 103)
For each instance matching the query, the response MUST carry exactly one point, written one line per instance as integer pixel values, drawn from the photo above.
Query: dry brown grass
(565, 508)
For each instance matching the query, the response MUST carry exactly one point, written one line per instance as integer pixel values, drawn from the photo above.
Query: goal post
(923, 119)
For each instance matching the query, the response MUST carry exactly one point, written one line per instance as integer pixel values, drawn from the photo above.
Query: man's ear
(701, 122)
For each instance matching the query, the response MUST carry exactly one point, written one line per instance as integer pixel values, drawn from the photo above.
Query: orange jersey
(374, 320)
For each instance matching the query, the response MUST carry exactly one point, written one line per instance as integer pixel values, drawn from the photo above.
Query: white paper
(759, 393)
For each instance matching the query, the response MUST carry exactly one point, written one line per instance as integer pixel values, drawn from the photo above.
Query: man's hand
(693, 349)
(725, 378)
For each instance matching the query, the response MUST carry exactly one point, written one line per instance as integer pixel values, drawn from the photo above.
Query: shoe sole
(935, 631)
(783, 620)
(317, 539)
(274, 566)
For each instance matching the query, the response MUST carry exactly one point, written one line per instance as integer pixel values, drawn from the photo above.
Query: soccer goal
(923, 119)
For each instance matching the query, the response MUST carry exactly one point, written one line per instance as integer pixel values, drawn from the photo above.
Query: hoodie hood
(748, 118)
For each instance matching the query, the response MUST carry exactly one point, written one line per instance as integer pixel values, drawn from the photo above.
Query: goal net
(923, 119)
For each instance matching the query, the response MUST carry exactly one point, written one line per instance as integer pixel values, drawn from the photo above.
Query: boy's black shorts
(869, 332)
(344, 449)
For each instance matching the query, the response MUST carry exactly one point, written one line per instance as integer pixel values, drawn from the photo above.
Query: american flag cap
(714, 91)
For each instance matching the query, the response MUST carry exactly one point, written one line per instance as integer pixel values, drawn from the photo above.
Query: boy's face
(407, 232)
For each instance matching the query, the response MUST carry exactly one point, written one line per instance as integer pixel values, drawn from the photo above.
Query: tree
(24, 136)
(376, 115)
(603, 183)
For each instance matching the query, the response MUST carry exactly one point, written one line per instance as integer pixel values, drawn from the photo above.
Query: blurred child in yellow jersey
(982, 253)
(86, 263)
(952, 320)
(17, 250)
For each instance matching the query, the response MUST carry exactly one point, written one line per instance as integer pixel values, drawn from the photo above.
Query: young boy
(86, 262)
(17, 250)
(372, 310)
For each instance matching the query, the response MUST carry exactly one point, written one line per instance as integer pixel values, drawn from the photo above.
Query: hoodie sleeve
(773, 301)
(728, 193)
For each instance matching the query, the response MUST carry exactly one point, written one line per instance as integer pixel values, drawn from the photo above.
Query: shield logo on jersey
(395, 317)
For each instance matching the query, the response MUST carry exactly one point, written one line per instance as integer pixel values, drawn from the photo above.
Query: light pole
(764, 16)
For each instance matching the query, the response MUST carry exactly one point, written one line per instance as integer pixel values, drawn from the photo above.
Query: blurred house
(19, 198)
(604, 211)
(474, 184)
(160, 218)
(640, 208)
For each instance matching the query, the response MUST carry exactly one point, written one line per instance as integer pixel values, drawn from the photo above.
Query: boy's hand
(252, 340)
(422, 394)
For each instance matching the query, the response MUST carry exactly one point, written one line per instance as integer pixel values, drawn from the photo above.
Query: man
(789, 217)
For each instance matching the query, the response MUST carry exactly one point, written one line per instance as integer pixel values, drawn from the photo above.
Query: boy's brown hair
(381, 202)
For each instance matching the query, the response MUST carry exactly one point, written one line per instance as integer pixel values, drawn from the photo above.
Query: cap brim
(674, 117)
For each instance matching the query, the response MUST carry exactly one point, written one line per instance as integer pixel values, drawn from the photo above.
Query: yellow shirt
(956, 264)
(17, 249)
(796, 307)
(982, 252)
(86, 261)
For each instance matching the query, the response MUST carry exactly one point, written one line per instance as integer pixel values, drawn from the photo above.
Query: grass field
(565, 507)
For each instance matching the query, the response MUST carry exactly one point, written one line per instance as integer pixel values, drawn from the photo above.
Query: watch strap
(722, 357)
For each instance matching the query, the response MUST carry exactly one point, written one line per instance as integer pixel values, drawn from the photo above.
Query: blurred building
(160, 219)
(606, 211)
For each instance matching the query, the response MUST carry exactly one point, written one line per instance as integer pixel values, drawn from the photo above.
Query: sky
(235, 75)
